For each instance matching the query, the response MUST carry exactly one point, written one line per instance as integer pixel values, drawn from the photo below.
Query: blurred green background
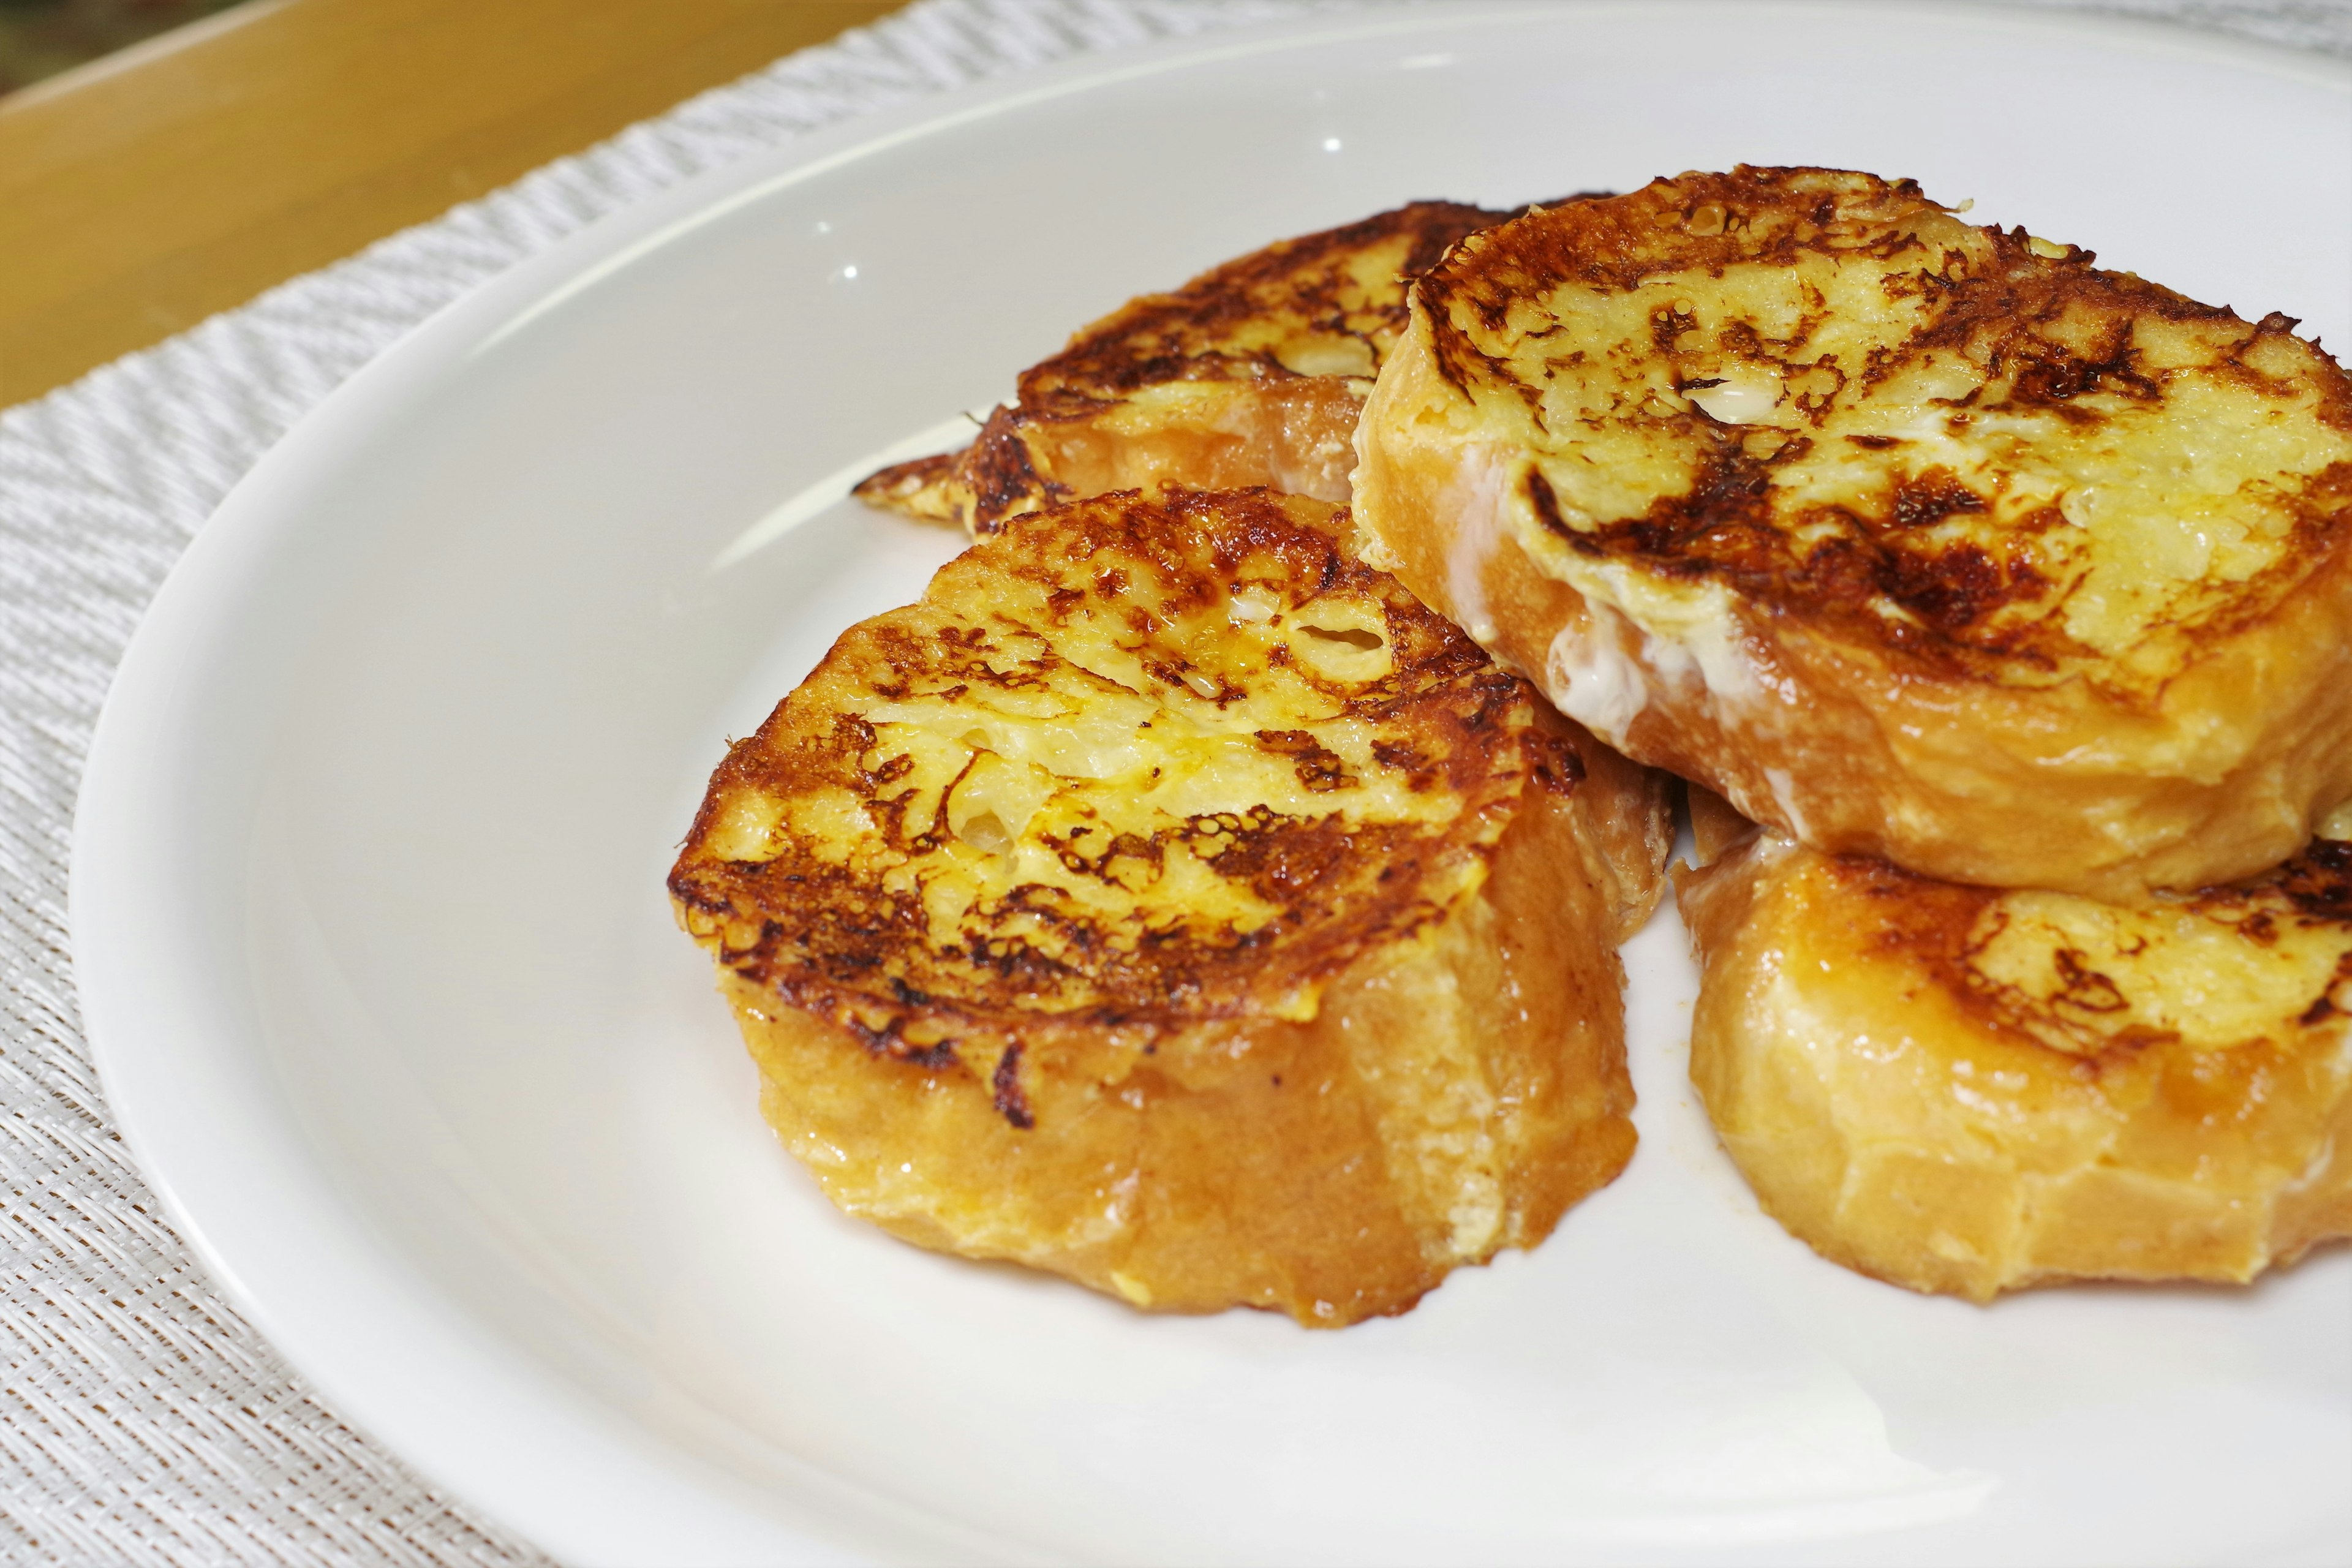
(41, 38)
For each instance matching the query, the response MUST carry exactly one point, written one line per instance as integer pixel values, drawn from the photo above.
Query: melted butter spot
(1251, 606)
(1743, 395)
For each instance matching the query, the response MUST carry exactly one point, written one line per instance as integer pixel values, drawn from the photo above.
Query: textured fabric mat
(142, 1420)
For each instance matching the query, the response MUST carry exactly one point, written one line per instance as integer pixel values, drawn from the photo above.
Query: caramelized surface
(1174, 758)
(1888, 527)
(1968, 1091)
(1832, 396)
(1252, 373)
(1161, 850)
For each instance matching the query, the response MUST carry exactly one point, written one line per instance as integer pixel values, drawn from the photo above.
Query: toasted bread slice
(1252, 373)
(1911, 538)
(1172, 903)
(1965, 1090)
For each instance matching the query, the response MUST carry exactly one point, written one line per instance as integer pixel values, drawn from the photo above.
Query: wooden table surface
(150, 189)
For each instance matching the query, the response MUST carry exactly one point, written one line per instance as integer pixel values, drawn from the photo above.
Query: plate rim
(121, 985)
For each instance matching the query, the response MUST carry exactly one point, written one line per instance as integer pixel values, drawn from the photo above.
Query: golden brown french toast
(1966, 1090)
(1252, 373)
(1912, 538)
(1170, 902)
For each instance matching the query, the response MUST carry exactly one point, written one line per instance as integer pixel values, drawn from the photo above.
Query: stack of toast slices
(1209, 890)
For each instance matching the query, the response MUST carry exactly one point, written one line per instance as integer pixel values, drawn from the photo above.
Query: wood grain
(143, 193)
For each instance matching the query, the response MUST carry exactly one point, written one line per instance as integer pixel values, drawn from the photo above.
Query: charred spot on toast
(1143, 761)
(2319, 883)
(1832, 397)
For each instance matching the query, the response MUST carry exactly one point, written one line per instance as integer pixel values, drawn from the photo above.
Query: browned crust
(1960, 779)
(1961, 744)
(1270, 423)
(829, 944)
(1250, 1161)
(1160, 1121)
(1195, 333)
(2050, 329)
(1912, 1119)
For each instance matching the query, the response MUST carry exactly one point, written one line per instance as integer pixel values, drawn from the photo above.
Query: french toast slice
(1911, 538)
(1252, 373)
(1965, 1090)
(1170, 902)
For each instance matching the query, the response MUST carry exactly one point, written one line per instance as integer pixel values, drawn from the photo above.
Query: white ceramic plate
(369, 917)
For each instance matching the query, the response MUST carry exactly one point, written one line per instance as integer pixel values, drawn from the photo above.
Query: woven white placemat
(141, 1421)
